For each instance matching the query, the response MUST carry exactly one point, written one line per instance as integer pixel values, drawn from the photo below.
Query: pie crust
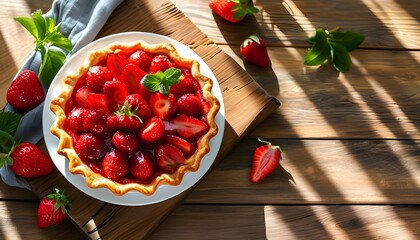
(96, 180)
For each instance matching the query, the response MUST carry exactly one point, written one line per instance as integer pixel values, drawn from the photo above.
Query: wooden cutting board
(246, 105)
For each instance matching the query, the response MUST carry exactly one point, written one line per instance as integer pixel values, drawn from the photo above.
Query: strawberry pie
(135, 116)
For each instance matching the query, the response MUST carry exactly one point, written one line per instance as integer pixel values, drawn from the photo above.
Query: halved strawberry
(160, 63)
(115, 93)
(265, 160)
(96, 78)
(141, 59)
(144, 92)
(189, 127)
(186, 147)
(152, 130)
(142, 166)
(163, 106)
(115, 64)
(132, 75)
(189, 104)
(185, 85)
(169, 157)
(86, 99)
(137, 102)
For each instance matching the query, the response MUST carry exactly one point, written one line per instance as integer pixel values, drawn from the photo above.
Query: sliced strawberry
(189, 104)
(163, 106)
(96, 78)
(136, 101)
(115, 164)
(115, 93)
(189, 127)
(152, 130)
(185, 85)
(265, 160)
(142, 166)
(186, 147)
(169, 157)
(132, 75)
(169, 127)
(141, 59)
(144, 93)
(86, 99)
(160, 63)
(125, 141)
(115, 64)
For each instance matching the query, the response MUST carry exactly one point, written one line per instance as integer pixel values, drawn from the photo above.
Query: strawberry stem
(270, 144)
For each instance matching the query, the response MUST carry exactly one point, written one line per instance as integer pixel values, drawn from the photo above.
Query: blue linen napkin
(81, 20)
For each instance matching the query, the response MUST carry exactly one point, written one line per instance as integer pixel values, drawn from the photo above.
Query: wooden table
(351, 167)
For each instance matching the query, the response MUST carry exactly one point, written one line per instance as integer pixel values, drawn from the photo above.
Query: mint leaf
(29, 25)
(340, 57)
(351, 40)
(51, 64)
(40, 25)
(60, 41)
(320, 51)
(335, 45)
(161, 81)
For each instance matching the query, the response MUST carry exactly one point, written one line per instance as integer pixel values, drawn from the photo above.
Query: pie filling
(135, 116)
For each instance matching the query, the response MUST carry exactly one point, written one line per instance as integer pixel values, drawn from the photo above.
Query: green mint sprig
(333, 45)
(161, 81)
(50, 42)
(9, 122)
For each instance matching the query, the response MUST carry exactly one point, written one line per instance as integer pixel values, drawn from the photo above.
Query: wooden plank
(386, 25)
(291, 222)
(378, 97)
(323, 171)
(19, 221)
(15, 193)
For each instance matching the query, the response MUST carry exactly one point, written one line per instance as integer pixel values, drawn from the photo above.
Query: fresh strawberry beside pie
(135, 116)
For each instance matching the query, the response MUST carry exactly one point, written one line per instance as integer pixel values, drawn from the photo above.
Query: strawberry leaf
(9, 121)
(351, 40)
(161, 81)
(7, 142)
(340, 57)
(61, 200)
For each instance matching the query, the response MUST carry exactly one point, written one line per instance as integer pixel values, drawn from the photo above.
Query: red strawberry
(86, 99)
(189, 104)
(90, 147)
(124, 119)
(27, 160)
(186, 147)
(142, 166)
(232, 10)
(53, 209)
(125, 141)
(95, 122)
(189, 128)
(115, 64)
(169, 157)
(115, 164)
(185, 85)
(96, 78)
(137, 102)
(115, 93)
(254, 50)
(132, 75)
(160, 63)
(144, 92)
(163, 106)
(265, 160)
(152, 130)
(75, 119)
(141, 59)
(25, 92)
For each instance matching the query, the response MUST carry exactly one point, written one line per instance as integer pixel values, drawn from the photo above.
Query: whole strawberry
(232, 10)
(253, 49)
(27, 160)
(53, 209)
(25, 92)
(265, 160)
